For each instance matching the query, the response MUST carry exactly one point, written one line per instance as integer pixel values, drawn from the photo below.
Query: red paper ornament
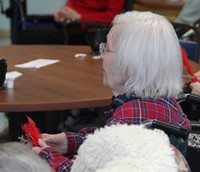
(187, 65)
(32, 133)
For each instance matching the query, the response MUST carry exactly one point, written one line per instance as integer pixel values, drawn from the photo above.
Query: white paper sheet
(37, 63)
(13, 75)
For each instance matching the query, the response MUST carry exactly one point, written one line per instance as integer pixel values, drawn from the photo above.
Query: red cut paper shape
(32, 133)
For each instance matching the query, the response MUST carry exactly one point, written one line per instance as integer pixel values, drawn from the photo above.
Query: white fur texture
(123, 148)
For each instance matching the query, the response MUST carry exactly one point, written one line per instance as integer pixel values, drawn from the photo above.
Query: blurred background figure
(101, 11)
(190, 12)
(3, 127)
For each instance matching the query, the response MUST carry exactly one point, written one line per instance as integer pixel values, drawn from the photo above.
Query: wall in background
(43, 6)
(33, 7)
(4, 21)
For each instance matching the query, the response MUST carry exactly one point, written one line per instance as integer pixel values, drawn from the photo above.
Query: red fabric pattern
(137, 111)
(56, 161)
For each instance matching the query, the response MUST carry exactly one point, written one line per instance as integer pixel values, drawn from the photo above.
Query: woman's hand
(197, 74)
(42, 145)
(58, 141)
(66, 13)
(195, 86)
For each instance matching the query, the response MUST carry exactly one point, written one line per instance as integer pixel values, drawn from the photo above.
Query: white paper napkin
(37, 63)
(13, 75)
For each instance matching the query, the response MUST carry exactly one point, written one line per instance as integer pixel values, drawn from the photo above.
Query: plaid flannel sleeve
(76, 139)
(57, 161)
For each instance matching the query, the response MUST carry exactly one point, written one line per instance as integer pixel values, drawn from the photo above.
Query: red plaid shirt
(132, 110)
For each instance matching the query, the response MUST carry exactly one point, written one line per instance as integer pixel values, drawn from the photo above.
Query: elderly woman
(142, 65)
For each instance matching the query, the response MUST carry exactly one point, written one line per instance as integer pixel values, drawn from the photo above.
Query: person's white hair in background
(17, 157)
(129, 148)
(147, 55)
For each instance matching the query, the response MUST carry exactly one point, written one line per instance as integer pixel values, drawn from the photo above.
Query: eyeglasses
(103, 49)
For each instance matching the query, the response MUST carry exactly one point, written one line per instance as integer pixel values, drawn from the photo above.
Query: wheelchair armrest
(168, 128)
(195, 126)
(193, 98)
(190, 98)
(88, 23)
(40, 18)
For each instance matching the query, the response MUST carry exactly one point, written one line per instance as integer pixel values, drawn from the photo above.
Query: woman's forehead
(112, 36)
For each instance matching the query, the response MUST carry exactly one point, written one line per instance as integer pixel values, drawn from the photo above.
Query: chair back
(189, 38)
(178, 136)
(128, 5)
(191, 48)
(190, 103)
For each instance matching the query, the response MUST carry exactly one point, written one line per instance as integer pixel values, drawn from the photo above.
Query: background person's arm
(190, 13)
(89, 13)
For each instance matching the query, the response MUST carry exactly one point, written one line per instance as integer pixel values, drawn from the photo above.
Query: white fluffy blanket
(123, 148)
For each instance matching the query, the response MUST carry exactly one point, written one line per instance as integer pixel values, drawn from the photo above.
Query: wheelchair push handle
(193, 98)
(168, 128)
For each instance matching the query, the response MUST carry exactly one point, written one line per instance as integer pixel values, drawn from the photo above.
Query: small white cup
(10, 82)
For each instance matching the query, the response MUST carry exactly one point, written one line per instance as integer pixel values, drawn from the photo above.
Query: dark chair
(189, 36)
(177, 135)
(190, 104)
(191, 47)
(168, 128)
(22, 22)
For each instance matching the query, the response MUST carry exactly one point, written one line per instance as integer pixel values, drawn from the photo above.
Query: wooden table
(162, 4)
(69, 84)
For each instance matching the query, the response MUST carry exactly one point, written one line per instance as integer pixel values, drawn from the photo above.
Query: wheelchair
(190, 104)
(186, 141)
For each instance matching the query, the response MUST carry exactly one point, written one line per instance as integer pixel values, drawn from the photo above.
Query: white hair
(147, 56)
(18, 157)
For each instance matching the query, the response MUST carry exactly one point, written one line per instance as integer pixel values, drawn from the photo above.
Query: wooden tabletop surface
(162, 4)
(70, 83)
